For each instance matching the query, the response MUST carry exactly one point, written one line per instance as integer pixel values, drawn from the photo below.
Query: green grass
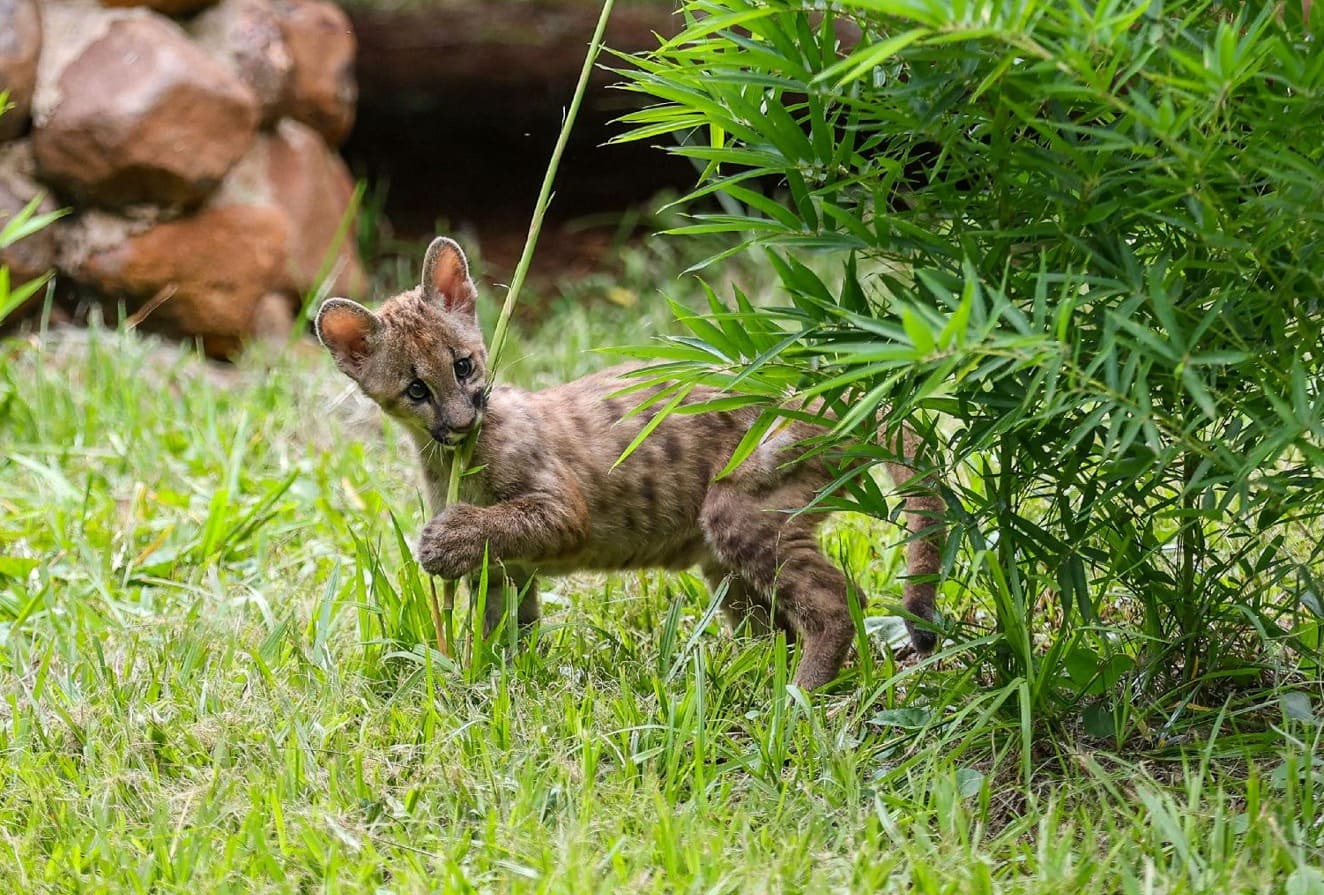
(196, 698)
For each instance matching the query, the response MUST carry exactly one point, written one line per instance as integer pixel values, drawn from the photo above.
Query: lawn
(195, 565)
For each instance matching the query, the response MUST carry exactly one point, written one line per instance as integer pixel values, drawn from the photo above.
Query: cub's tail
(924, 509)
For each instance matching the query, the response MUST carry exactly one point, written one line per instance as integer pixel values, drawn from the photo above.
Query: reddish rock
(321, 43)
(273, 318)
(247, 36)
(169, 7)
(203, 275)
(291, 169)
(137, 113)
(35, 255)
(314, 187)
(20, 45)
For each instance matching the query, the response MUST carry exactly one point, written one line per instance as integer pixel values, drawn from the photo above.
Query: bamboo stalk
(465, 452)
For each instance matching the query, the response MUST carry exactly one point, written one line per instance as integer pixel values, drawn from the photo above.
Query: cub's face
(421, 355)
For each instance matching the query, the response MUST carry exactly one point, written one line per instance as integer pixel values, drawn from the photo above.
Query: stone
(20, 45)
(205, 275)
(168, 7)
(34, 255)
(273, 318)
(247, 36)
(291, 169)
(321, 42)
(128, 110)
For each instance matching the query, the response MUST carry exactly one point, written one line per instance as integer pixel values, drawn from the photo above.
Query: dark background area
(459, 107)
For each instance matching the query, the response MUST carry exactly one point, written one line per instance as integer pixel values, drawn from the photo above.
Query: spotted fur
(547, 500)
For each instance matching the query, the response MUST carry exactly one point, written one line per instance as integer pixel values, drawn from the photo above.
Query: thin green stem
(465, 452)
(545, 194)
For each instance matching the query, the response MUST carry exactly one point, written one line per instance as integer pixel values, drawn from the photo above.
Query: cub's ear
(446, 277)
(349, 331)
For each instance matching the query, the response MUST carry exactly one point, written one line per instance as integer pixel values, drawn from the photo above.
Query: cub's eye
(417, 391)
(463, 367)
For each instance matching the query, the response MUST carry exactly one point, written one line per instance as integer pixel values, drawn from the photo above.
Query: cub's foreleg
(525, 586)
(525, 530)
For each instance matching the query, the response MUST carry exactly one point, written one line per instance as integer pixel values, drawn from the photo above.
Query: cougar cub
(546, 499)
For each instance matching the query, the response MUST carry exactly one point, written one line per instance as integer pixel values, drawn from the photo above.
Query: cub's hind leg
(741, 605)
(777, 556)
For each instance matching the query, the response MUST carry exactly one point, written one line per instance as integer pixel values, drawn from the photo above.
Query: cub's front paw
(451, 545)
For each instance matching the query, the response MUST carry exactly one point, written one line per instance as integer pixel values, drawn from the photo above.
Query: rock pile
(195, 142)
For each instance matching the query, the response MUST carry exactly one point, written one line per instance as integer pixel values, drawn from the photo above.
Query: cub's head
(421, 356)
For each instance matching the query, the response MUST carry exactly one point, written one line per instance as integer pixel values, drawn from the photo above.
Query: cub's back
(644, 511)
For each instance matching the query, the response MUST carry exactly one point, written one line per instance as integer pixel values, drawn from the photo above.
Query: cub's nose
(447, 435)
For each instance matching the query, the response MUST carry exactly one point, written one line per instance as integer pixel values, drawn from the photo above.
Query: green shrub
(1082, 242)
(22, 223)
